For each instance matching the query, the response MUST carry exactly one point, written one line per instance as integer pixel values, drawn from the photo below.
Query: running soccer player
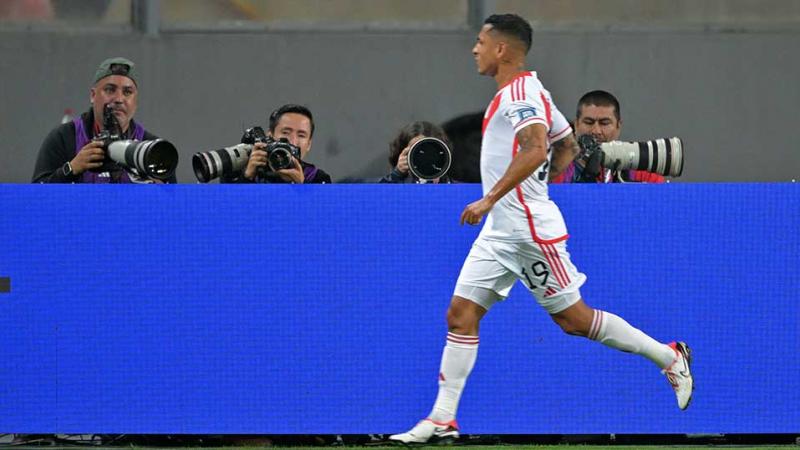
(524, 236)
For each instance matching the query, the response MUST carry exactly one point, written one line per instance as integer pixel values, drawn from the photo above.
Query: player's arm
(564, 152)
(532, 154)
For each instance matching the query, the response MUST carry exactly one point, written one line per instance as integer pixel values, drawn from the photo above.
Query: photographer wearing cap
(598, 115)
(71, 153)
(402, 143)
(294, 125)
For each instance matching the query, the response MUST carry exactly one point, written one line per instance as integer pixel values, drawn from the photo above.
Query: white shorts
(492, 267)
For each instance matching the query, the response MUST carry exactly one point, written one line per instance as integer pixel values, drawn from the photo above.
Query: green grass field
(528, 447)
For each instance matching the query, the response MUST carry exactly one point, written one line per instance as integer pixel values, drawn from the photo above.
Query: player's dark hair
(514, 26)
(290, 108)
(409, 132)
(598, 98)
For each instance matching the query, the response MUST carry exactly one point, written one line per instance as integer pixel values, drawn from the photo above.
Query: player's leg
(458, 357)
(555, 282)
(609, 329)
(482, 283)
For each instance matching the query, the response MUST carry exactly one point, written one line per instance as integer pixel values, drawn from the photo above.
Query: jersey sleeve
(524, 110)
(560, 128)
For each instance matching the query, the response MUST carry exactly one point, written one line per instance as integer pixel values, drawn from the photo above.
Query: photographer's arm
(57, 149)
(400, 171)
(564, 152)
(52, 155)
(532, 154)
(258, 158)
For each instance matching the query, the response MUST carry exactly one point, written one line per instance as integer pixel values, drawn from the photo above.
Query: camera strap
(309, 171)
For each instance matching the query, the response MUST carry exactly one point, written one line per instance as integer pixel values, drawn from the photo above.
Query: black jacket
(395, 176)
(312, 174)
(59, 147)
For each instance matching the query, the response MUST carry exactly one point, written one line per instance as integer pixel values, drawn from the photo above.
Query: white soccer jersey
(526, 213)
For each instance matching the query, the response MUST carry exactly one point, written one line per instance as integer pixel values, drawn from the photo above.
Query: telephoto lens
(227, 162)
(661, 156)
(156, 159)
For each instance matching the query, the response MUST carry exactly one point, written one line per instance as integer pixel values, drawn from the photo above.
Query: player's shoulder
(531, 79)
(526, 86)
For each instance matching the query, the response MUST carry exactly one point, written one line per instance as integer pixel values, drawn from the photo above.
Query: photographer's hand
(258, 158)
(592, 169)
(293, 175)
(402, 161)
(91, 156)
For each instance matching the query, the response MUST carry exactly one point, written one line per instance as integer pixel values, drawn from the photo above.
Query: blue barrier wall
(320, 309)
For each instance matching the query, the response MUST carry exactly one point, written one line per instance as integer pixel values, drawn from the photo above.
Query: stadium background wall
(731, 96)
(303, 309)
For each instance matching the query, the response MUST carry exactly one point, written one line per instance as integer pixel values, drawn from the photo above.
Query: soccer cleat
(428, 432)
(679, 373)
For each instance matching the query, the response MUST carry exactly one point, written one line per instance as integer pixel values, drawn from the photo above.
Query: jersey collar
(519, 75)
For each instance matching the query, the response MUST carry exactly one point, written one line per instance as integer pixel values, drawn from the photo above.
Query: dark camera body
(156, 159)
(254, 135)
(106, 138)
(230, 162)
(592, 155)
(110, 132)
(279, 152)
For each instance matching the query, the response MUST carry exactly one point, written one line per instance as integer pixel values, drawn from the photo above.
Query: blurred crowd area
(420, 13)
(108, 11)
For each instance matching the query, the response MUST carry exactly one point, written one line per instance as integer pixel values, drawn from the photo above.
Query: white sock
(458, 358)
(615, 332)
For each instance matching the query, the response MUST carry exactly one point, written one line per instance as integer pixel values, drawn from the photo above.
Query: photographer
(71, 154)
(598, 115)
(401, 145)
(295, 124)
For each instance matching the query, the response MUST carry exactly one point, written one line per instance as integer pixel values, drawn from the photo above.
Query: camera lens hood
(429, 158)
